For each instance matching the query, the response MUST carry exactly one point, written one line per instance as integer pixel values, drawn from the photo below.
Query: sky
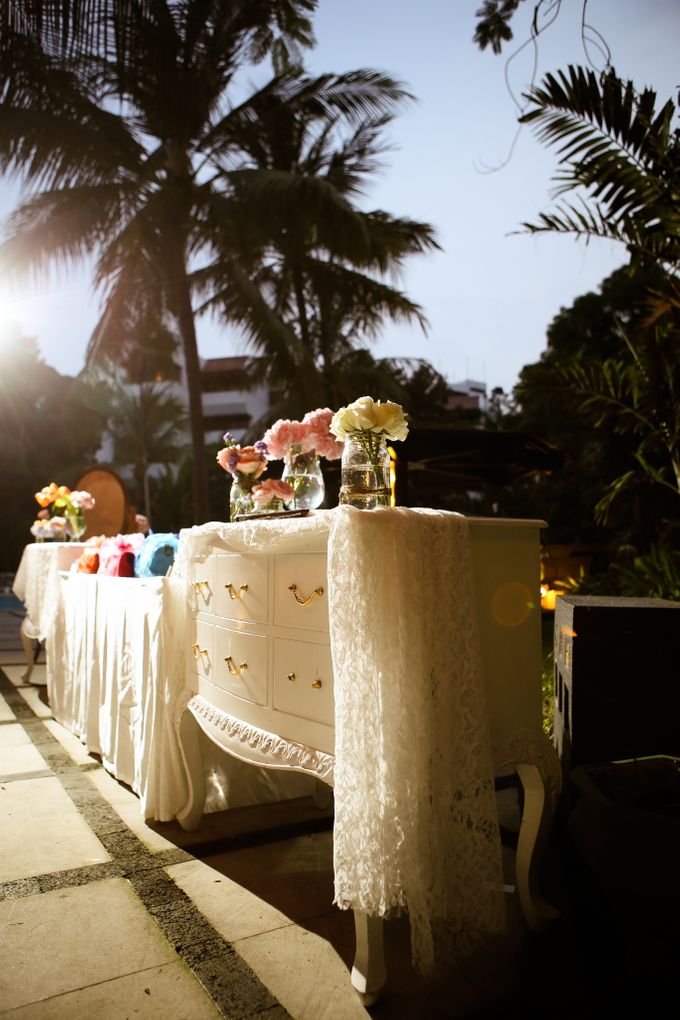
(491, 293)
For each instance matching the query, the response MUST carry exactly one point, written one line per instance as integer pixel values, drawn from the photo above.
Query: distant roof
(223, 364)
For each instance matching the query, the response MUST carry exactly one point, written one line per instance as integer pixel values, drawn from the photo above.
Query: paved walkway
(106, 917)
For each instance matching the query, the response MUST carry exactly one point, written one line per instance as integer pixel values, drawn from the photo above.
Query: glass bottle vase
(76, 525)
(303, 472)
(240, 498)
(365, 469)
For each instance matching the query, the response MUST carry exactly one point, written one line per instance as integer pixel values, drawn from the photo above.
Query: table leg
(28, 635)
(534, 828)
(192, 812)
(368, 972)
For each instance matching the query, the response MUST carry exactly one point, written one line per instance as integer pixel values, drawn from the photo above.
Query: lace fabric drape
(415, 815)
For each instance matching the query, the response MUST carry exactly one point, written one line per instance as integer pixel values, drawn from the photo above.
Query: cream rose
(368, 415)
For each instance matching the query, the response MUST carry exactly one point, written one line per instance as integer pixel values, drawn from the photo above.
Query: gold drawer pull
(317, 683)
(198, 585)
(235, 593)
(198, 651)
(233, 668)
(304, 600)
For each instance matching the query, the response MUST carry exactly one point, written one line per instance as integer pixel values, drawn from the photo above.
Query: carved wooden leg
(192, 812)
(27, 633)
(368, 972)
(533, 833)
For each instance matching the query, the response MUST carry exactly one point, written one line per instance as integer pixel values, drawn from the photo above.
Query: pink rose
(250, 461)
(282, 435)
(265, 492)
(319, 436)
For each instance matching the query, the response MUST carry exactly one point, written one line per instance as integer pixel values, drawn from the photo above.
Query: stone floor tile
(76, 750)
(24, 758)
(41, 831)
(305, 974)
(6, 712)
(13, 735)
(159, 993)
(35, 699)
(71, 938)
(235, 912)
(294, 876)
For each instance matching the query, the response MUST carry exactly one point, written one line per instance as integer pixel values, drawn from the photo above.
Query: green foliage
(655, 574)
(493, 26)
(620, 153)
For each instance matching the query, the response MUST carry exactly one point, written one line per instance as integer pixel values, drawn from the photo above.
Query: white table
(36, 584)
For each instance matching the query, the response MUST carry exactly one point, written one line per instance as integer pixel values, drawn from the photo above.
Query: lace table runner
(415, 823)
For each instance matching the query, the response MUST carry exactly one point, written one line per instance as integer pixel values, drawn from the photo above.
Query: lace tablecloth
(415, 817)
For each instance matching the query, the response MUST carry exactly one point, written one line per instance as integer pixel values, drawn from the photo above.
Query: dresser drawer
(200, 650)
(203, 585)
(300, 591)
(240, 664)
(303, 680)
(242, 587)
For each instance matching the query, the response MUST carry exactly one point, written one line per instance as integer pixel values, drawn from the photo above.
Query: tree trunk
(181, 302)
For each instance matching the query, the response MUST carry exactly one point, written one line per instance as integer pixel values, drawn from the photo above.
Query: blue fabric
(156, 555)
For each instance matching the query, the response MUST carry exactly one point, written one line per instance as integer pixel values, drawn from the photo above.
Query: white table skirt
(113, 666)
(36, 579)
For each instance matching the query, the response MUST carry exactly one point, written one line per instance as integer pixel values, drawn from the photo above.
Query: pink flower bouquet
(272, 493)
(286, 438)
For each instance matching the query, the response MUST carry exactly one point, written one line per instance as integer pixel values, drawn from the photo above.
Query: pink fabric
(117, 555)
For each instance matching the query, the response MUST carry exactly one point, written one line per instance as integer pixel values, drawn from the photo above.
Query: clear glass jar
(76, 525)
(302, 471)
(241, 497)
(365, 469)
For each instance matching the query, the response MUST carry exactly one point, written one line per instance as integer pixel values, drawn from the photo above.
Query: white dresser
(258, 646)
(260, 673)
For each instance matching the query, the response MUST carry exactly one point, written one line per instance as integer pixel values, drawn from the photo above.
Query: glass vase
(303, 472)
(365, 472)
(76, 525)
(240, 498)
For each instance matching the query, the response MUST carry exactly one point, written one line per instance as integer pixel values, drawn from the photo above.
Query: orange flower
(47, 494)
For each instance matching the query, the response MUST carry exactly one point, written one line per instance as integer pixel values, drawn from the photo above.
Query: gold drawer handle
(317, 683)
(198, 651)
(304, 600)
(198, 586)
(235, 593)
(233, 668)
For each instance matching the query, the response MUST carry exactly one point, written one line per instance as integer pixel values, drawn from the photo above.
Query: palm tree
(74, 29)
(145, 420)
(123, 154)
(314, 256)
(622, 157)
(620, 154)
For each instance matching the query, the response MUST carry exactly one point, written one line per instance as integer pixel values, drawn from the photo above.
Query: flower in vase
(243, 461)
(82, 500)
(61, 515)
(319, 436)
(366, 415)
(286, 437)
(272, 489)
